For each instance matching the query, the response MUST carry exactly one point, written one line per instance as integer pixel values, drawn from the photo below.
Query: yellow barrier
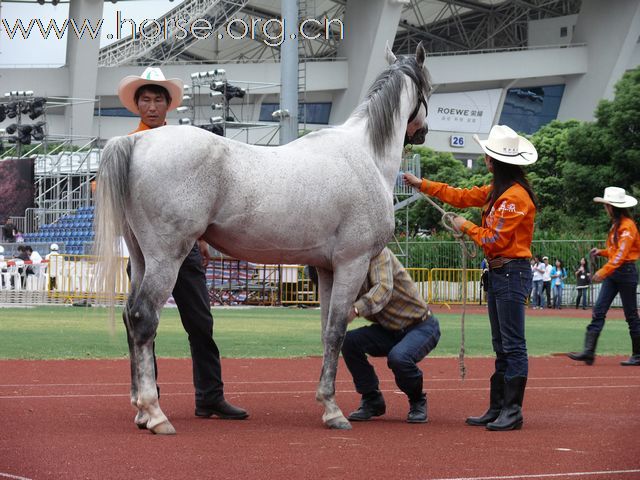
(72, 277)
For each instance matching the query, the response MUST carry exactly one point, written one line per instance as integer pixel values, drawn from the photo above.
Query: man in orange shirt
(152, 96)
(508, 211)
(618, 275)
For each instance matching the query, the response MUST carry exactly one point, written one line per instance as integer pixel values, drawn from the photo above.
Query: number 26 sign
(456, 141)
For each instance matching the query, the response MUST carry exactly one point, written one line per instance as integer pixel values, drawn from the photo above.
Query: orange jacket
(141, 128)
(506, 231)
(627, 250)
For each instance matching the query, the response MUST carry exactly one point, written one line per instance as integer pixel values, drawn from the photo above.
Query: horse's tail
(112, 190)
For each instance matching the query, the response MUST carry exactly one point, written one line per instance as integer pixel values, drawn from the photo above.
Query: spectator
(546, 282)
(583, 279)
(558, 276)
(9, 231)
(19, 237)
(538, 268)
(54, 265)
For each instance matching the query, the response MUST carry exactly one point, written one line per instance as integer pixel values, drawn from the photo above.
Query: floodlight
(220, 71)
(186, 88)
(186, 98)
(37, 107)
(216, 119)
(25, 107)
(217, 106)
(194, 75)
(24, 134)
(184, 121)
(217, 128)
(12, 109)
(182, 109)
(215, 94)
(29, 93)
(217, 85)
(202, 74)
(11, 129)
(37, 131)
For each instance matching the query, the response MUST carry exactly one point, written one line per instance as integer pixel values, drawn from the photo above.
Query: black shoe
(418, 410)
(221, 409)
(634, 359)
(371, 405)
(588, 355)
(496, 399)
(510, 417)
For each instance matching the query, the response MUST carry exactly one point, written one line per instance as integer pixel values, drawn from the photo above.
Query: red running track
(72, 420)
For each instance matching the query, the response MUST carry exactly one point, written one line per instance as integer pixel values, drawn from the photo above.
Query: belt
(500, 262)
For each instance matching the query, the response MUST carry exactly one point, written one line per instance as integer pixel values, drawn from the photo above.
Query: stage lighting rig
(11, 129)
(3, 113)
(12, 109)
(37, 131)
(24, 134)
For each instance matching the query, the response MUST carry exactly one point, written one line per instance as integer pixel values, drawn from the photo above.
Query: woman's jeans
(537, 294)
(624, 281)
(557, 295)
(581, 295)
(509, 287)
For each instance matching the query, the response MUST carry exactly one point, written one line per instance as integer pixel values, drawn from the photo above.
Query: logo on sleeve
(509, 207)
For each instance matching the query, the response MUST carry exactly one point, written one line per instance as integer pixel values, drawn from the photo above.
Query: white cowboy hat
(616, 197)
(53, 247)
(507, 146)
(151, 76)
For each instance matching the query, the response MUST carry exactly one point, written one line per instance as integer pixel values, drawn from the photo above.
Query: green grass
(74, 332)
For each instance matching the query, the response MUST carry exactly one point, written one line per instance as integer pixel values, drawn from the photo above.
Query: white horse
(325, 199)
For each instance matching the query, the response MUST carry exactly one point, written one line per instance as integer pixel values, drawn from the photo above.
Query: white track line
(14, 477)
(301, 392)
(277, 382)
(543, 475)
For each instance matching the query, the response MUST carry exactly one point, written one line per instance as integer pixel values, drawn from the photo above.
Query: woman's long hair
(617, 214)
(504, 176)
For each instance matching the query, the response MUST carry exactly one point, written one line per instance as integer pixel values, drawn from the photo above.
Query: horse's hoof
(141, 426)
(164, 428)
(337, 424)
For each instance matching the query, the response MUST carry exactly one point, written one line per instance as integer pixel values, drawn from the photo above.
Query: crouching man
(403, 329)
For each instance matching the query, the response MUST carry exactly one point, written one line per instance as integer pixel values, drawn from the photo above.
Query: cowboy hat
(151, 76)
(507, 146)
(616, 197)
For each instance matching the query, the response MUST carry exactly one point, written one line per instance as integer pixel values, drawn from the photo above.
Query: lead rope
(468, 251)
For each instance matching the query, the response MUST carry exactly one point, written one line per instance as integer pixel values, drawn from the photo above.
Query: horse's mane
(380, 105)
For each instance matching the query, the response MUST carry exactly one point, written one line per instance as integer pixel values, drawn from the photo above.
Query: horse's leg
(325, 284)
(135, 270)
(144, 316)
(347, 280)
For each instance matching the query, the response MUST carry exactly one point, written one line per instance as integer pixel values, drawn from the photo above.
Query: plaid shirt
(389, 296)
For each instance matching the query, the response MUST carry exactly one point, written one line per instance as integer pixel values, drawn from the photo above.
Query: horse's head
(415, 69)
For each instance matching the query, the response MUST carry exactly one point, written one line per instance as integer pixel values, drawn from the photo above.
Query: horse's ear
(391, 58)
(420, 54)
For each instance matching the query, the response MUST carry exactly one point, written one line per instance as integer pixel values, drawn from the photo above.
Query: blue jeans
(557, 295)
(625, 282)
(508, 290)
(403, 349)
(537, 294)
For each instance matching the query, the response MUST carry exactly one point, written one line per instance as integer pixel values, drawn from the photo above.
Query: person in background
(54, 265)
(19, 237)
(9, 231)
(583, 280)
(403, 329)
(538, 269)
(558, 276)
(508, 214)
(546, 282)
(618, 276)
(152, 96)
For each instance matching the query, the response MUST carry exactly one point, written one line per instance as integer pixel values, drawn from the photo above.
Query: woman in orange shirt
(508, 212)
(619, 275)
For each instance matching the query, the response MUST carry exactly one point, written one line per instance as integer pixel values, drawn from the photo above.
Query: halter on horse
(325, 200)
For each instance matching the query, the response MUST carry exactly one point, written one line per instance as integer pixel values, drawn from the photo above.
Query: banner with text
(471, 112)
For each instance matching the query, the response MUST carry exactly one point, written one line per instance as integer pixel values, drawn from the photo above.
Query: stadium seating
(74, 231)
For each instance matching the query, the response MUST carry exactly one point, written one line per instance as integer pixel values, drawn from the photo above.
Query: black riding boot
(510, 417)
(634, 359)
(496, 398)
(371, 405)
(588, 356)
